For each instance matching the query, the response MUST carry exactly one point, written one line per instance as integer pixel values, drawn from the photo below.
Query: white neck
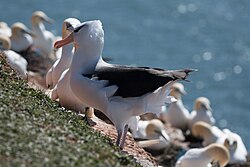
(38, 27)
(84, 62)
(67, 54)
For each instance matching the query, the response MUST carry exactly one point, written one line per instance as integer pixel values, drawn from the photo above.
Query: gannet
(5, 29)
(21, 38)
(236, 147)
(44, 39)
(204, 157)
(210, 134)
(119, 91)
(177, 114)
(152, 129)
(16, 61)
(202, 112)
(232, 141)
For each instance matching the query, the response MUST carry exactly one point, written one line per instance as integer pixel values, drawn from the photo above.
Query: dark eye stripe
(68, 25)
(78, 28)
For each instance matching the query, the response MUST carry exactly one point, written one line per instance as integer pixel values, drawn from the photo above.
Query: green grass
(34, 131)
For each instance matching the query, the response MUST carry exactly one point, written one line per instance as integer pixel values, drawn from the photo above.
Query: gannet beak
(27, 31)
(183, 92)
(148, 143)
(163, 134)
(208, 107)
(65, 41)
(48, 20)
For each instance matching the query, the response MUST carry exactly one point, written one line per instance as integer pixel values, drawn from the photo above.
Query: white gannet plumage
(44, 39)
(5, 29)
(202, 112)
(203, 157)
(16, 61)
(236, 147)
(151, 130)
(176, 113)
(232, 141)
(209, 133)
(21, 38)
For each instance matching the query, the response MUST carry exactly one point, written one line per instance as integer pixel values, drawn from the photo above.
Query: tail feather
(157, 99)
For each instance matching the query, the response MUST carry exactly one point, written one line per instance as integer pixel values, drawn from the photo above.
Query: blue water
(212, 36)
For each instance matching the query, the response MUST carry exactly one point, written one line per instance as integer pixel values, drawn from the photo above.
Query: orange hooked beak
(65, 41)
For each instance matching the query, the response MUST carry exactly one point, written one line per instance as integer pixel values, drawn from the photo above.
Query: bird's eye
(68, 25)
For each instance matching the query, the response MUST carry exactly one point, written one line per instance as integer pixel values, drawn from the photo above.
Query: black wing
(135, 81)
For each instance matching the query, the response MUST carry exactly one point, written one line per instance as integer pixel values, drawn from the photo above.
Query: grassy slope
(34, 131)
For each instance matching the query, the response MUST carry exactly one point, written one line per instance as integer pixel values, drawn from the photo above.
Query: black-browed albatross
(119, 91)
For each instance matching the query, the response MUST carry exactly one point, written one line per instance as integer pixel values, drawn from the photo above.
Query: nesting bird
(44, 39)
(204, 157)
(16, 61)
(210, 134)
(119, 91)
(152, 130)
(177, 114)
(232, 141)
(202, 112)
(5, 29)
(21, 38)
(236, 147)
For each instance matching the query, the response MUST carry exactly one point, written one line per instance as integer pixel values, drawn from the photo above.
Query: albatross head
(88, 36)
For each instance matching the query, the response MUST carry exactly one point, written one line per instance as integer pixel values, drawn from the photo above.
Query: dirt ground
(131, 147)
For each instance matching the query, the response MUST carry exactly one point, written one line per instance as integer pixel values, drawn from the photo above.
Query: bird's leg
(119, 135)
(89, 114)
(124, 136)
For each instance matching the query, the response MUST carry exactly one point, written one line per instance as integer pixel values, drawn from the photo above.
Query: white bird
(21, 38)
(62, 89)
(65, 59)
(5, 29)
(150, 130)
(176, 114)
(120, 92)
(232, 141)
(202, 112)
(210, 134)
(16, 61)
(68, 100)
(204, 157)
(44, 39)
(236, 147)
